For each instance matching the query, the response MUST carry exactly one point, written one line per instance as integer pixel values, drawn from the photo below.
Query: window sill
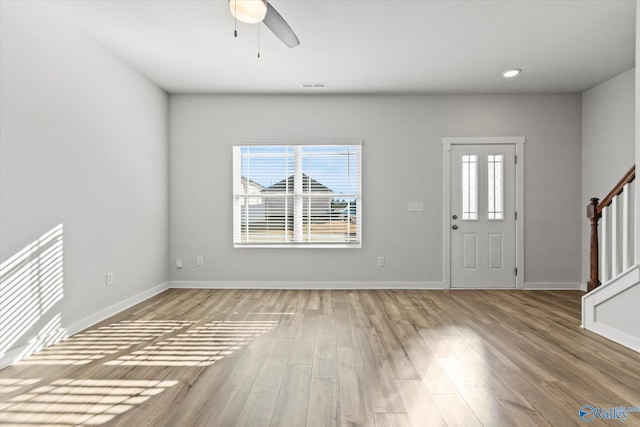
(299, 245)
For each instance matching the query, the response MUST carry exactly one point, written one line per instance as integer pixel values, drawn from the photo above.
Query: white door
(483, 216)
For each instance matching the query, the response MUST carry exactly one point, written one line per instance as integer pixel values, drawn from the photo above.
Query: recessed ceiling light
(511, 73)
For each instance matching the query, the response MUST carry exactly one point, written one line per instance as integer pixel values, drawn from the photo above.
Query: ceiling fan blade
(278, 26)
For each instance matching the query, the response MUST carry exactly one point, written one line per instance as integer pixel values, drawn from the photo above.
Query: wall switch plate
(178, 263)
(109, 279)
(380, 261)
(200, 260)
(415, 206)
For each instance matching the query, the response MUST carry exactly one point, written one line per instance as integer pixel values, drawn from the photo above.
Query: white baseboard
(114, 309)
(305, 285)
(207, 284)
(14, 355)
(552, 286)
(18, 353)
(615, 335)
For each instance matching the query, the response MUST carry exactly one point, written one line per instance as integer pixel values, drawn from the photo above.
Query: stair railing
(612, 254)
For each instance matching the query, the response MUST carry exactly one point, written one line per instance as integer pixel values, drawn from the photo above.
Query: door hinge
(516, 158)
(516, 215)
(516, 271)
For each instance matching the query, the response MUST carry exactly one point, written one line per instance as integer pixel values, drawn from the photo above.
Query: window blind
(303, 195)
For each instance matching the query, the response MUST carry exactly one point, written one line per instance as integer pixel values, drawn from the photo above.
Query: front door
(483, 216)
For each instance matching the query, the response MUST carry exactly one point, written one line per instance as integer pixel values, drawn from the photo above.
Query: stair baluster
(612, 253)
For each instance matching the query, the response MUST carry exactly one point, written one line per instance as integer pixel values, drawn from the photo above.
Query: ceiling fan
(256, 11)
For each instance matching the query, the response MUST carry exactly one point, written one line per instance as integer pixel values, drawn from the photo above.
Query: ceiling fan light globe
(248, 11)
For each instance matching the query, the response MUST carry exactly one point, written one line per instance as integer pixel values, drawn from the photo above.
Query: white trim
(306, 285)
(482, 140)
(302, 142)
(300, 245)
(447, 142)
(617, 285)
(14, 356)
(211, 284)
(18, 353)
(446, 213)
(552, 286)
(615, 335)
(116, 308)
(605, 292)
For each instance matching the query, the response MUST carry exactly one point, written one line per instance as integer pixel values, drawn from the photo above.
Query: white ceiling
(358, 46)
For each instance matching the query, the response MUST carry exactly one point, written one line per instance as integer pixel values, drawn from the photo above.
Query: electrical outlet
(178, 263)
(200, 260)
(109, 279)
(380, 261)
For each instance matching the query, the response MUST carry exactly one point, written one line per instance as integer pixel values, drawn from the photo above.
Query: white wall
(608, 150)
(637, 114)
(402, 161)
(83, 145)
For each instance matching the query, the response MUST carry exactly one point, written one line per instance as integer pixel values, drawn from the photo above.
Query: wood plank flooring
(328, 358)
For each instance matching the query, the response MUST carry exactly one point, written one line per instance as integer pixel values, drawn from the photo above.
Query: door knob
(455, 227)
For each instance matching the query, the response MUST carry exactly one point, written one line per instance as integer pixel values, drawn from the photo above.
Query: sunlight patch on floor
(78, 401)
(200, 346)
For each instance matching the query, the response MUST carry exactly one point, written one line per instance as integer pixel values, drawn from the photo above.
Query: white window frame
(297, 243)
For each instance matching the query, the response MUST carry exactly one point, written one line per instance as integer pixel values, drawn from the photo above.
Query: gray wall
(83, 144)
(608, 147)
(402, 162)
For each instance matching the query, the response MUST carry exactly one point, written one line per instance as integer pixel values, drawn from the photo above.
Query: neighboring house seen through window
(302, 195)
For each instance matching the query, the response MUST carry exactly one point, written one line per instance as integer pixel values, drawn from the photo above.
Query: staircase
(610, 308)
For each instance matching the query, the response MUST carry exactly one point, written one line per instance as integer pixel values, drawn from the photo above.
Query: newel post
(594, 216)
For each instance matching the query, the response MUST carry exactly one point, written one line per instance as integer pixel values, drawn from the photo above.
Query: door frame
(518, 143)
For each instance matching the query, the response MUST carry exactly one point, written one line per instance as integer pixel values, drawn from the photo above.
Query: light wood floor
(325, 358)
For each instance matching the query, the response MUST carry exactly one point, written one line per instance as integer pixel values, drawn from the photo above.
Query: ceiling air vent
(313, 85)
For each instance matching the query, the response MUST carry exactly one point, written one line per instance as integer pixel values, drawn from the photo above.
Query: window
(469, 187)
(297, 195)
(495, 187)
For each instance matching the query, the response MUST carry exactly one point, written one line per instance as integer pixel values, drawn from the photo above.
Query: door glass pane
(469, 187)
(495, 188)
